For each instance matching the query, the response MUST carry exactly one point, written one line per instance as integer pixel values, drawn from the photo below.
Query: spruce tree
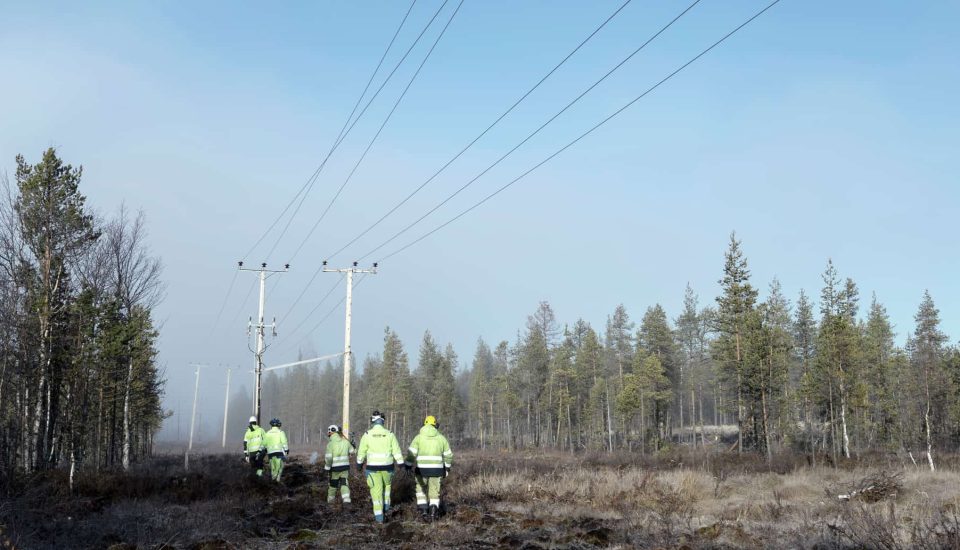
(734, 305)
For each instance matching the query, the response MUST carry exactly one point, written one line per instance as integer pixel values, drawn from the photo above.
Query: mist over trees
(79, 381)
(825, 379)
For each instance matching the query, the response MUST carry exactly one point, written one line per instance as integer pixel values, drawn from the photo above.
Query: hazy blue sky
(824, 129)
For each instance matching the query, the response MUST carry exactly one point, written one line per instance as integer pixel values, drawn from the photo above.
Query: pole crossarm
(304, 362)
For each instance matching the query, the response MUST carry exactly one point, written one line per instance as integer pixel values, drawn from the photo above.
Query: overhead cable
(585, 134)
(535, 132)
(308, 185)
(341, 136)
(223, 305)
(377, 135)
(484, 132)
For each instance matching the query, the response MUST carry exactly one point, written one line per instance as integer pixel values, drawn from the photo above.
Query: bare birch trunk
(843, 416)
(126, 417)
(926, 422)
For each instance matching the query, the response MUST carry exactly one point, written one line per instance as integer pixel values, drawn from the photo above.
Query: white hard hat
(332, 428)
(253, 420)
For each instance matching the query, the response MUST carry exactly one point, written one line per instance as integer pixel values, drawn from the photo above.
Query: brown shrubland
(505, 499)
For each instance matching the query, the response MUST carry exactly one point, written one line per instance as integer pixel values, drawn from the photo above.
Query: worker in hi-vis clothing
(253, 447)
(379, 450)
(276, 442)
(336, 462)
(430, 455)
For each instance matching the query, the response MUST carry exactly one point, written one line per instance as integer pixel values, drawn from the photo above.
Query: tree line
(79, 380)
(827, 379)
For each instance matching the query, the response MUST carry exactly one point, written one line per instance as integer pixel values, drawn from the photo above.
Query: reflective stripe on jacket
(337, 458)
(275, 441)
(379, 449)
(430, 451)
(253, 439)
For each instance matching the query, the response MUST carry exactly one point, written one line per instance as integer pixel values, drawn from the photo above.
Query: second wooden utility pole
(347, 351)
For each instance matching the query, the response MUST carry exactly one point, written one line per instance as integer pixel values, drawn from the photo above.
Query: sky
(821, 130)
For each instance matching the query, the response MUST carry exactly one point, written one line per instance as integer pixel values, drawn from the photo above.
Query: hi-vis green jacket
(337, 458)
(276, 441)
(431, 452)
(253, 439)
(379, 449)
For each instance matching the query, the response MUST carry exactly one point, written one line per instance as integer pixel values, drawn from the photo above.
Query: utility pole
(263, 273)
(347, 351)
(193, 416)
(226, 409)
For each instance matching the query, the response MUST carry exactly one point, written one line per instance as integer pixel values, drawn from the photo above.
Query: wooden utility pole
(347, 351)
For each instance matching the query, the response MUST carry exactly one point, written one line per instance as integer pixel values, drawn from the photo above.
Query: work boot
(434, 512)
(378, 518)
(424, 511)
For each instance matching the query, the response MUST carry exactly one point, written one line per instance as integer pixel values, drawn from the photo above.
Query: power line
(332, 310)
(379, 131)
(485, 131)
(340, 137)
(223, 305)
(243, 303)
(312, 311)
(367, 150)
(585, 134)
(535, 132)
(342, 134)
(575, 100)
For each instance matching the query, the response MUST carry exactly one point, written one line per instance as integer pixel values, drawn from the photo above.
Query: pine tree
(534, 365)
(55, 229)
(838, 356)
(927, 355)
(878, 357)
(481, 392)
(619, 342)
(655, 337)
(689, 335)
(804, 350)
(777, 341)
(647, 393)
(594, 391)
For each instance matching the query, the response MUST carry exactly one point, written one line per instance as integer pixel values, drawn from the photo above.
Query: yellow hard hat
(431, 420)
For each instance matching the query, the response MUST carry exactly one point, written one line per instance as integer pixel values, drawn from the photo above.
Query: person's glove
(446, 472)
(246, 457)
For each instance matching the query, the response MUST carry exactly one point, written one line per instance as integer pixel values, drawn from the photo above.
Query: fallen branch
(875, 487)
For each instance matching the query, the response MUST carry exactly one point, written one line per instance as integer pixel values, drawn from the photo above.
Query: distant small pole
(226, 409)
(193, 417)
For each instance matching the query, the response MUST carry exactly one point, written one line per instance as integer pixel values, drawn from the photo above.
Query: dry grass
(529, 500)
(695, 506)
